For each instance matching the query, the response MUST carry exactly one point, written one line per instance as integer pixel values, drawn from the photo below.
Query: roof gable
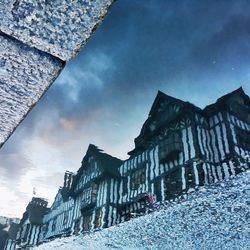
(223, 102)
(165, 109)
(107, 164)
(161, 100)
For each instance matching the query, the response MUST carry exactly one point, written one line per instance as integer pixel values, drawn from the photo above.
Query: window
(66, 218)
(157, 190)
(53, 228)
(89, 195)
(243, 138)
(190, 179)
(44, 230)
(137, 178)
(130, 210)
(173, 185)
(241, 111)
(170, 147)
(98, 222)
(94, 192)
(124, 187)
(91, 163)
(77, 227)
(87, 222)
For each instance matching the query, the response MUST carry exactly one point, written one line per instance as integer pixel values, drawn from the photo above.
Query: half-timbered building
(12, 234)
(58, 221)
(180, 147)
(31, 223)
(95, 191)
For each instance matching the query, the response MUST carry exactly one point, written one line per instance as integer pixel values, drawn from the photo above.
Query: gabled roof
(221, 102)
(107, 163)
(185, 107)
(160, 99)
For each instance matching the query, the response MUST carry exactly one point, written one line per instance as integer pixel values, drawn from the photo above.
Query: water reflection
(103, 96)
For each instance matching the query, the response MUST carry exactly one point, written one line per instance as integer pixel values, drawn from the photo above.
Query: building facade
(180, 147)
(58, 221)
(28, 231)
(93, 189)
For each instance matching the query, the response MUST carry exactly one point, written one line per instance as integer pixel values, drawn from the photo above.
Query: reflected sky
(193, 50)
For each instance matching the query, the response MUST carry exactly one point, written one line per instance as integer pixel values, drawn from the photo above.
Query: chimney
(68, 179)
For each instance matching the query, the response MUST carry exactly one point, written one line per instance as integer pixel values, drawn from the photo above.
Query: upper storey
(236, 102)
(96, 165)
(164, 111)
(169, 112)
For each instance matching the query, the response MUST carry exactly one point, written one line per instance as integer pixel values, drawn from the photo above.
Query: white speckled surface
(59, 27)
(25, 74)
(216, 217)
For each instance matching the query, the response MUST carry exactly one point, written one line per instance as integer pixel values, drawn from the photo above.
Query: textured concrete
(25, 74)
(59, 27)
(51, 30)
(216, 217)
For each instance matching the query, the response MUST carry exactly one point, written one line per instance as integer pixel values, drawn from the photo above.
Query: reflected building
(180, 148)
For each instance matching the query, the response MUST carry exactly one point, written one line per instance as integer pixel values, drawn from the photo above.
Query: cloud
(228, 45)
(14, 162)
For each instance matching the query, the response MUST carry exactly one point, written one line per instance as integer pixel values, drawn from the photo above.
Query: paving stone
(215, 217)
(59, 27)
(25, 74)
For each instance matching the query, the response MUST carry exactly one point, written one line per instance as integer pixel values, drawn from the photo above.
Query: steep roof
(221, 102)
(183, 108)
(175, 106)
(107, 163)
(161, 97)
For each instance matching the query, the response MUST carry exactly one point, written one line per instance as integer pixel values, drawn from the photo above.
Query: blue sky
(193, 50)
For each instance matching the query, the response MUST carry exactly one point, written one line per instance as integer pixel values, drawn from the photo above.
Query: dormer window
(170, 147)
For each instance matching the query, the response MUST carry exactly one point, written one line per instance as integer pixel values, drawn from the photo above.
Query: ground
(214, 217)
